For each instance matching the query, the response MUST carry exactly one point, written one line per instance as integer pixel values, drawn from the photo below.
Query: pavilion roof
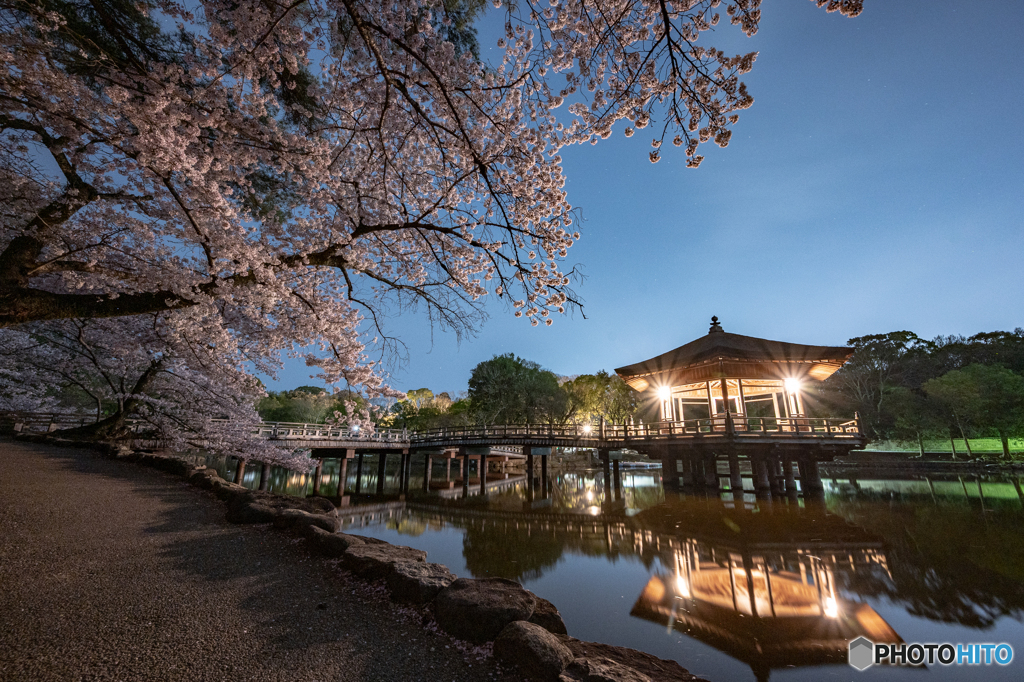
(819, 362)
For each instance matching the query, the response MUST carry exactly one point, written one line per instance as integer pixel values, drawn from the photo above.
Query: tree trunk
(1006, 443)
(920, 444)
(952, 444)
(115, 427)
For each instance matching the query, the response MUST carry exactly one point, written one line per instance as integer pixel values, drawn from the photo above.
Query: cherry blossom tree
(292, 172)
(151, 373)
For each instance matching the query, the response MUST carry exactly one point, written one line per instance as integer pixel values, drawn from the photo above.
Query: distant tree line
(510, 390)
(906, 388)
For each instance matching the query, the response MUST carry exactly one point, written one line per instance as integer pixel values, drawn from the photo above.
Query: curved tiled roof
(721, 345)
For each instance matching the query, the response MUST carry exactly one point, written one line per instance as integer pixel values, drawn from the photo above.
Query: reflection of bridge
(771, 588)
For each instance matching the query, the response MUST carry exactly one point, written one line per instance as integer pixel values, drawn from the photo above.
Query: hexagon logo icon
(862, 653)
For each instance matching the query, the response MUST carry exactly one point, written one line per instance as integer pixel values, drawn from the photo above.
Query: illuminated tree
(294, 172)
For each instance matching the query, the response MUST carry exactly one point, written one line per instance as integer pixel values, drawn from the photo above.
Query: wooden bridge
(689, 450)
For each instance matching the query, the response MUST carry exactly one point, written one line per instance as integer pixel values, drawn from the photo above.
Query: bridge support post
(239, 471)
(407, 472)
(711, 472)
(447, 468)
(316, 476)
(427, 463)
(735, 476)
(482, 468)
(382, 466)
(603, 453)
(811, 483)
(687, 471)
(343, 474)
(464, 467)
(775, 474)
(617, 477)
(265, 476)
(544, 475)
(359, 473)
(761, 483)
(787, 472)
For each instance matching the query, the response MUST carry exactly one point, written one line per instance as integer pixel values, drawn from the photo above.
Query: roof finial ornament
(715, 327)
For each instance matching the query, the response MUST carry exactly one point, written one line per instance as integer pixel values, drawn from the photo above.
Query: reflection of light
(792, 385)
(587, 428)
(682, 588)
(831, 607)
(590, 496)
(593, 511)
(664, 392)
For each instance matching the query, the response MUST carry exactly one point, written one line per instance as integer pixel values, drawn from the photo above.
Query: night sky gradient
(876, 184)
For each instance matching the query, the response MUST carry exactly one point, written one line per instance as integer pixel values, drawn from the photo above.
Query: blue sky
(876, 184)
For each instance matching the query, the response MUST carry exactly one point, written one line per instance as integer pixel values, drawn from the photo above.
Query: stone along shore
(110, 571)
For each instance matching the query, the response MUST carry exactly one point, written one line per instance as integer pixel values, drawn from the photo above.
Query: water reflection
(776, 587)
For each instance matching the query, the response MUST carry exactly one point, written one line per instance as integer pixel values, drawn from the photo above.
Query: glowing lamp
(792, 385)
(831, 607)
(587, 428)
(664, 392)
(682, 588)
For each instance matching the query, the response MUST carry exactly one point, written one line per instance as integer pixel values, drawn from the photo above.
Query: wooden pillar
(617, 476)
(696, 465)
(787, 471)
(761, 483)
(686, 476)
(317, 475)
(359, 473)
(407, 474)
(427, 463)
(606, 467)
(447, 468)
(464, 467)
(775, 474)
(265, 476)
(343, 474)
(482, 468)
(711, 472)
(735, 476)
(813, 481)
(544, 475)
(240, 471)
(528, 451)
(382, 465)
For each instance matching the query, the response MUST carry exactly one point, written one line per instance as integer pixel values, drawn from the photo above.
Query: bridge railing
(302, 431)
(732, 425)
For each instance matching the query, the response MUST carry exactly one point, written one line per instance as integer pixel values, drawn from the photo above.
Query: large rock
(206, 479)
(230, 492)
(547, 616)
(601, 670)
(331, 545)
(598, 658)
(250, 512)
(376, 561)
(537, 653)
(313, 505)
(301, 521)
(477, 610)
(418, 582)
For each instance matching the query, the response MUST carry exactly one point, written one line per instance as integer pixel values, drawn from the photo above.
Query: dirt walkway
(111, 571)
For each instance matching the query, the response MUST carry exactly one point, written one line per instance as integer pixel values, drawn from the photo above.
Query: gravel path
(112, 571)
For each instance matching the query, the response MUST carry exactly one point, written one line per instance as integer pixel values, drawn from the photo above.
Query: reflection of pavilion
(765, 588)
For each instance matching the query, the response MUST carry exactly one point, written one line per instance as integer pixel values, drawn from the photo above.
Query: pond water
(733, 589)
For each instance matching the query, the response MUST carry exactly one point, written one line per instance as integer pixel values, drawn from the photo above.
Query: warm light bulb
(682, 589)
(831, 607)
(792, 385)
(587, 428)
(664, 392)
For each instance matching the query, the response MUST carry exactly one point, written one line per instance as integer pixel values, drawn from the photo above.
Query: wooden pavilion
(734, 396)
